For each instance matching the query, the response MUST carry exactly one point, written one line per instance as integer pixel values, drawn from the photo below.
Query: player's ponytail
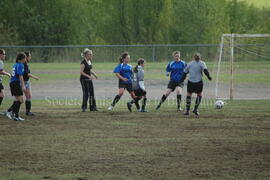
(123, 56)
(139, 62)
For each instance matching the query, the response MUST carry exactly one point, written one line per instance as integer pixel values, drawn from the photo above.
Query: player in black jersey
(87, 75)
(26, 77)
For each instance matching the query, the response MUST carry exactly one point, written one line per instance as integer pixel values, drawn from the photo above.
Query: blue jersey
(125, 70)
(17, 70)
(176, 68)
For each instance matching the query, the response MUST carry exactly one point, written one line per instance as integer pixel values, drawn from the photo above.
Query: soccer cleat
(158, 106)
(110, 108)
(196, 112)
(9, 115)
(29, 114)
(18, 119)
(186, 113)
(83, 110)
(180, 109)
(93, 109)
(3, 113)
(129, 106)
(142, 110)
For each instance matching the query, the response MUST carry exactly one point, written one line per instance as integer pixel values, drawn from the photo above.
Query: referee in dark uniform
(195, 70)
(86, 80)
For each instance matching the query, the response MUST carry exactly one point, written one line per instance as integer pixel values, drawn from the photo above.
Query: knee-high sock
(116, 99)
(188, 103)
(144, 103)
(28, 105)
(163, 98)
(11, 107)
(197, 103)
(16, 108)
(1, 99)
(136, 102)
(179, 97)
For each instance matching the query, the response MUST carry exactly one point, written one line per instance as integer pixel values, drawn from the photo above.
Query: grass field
(61, 143)
(258, 3)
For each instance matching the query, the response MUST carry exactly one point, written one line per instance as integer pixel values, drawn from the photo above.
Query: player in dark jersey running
(2, 72)
(138, 87)
(176, 70)
(123, 72)
(26, 77)
(195, 70)
(87, 75)
(17, 87)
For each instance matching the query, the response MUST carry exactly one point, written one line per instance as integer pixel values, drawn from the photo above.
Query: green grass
(61, 143)
(258, 3)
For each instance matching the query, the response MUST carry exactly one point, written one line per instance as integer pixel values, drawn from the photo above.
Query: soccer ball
(219, 104)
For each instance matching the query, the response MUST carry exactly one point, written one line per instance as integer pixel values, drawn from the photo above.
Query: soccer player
(123, 72)
(17, 87)
(195, 82)
(138, 87)
(2, 72)
(26, 77)
(176, 70)
(87, 75)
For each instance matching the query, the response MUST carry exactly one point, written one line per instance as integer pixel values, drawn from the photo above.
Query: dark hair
(20, 56)
(139, 62)
(123, 56)
(197, 56)
(2, 51)
(27, 53)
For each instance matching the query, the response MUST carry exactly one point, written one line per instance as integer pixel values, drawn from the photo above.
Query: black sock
(144, 103)
(1, 99)
(163, 98)
(11, 107)
(197, 103)
(188, 103)
(137, 103)
(116, 99)
(16, 108)
(28, 106)
(179, 97)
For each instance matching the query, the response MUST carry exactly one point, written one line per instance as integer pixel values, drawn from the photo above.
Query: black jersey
(26, 72)
(87, 69)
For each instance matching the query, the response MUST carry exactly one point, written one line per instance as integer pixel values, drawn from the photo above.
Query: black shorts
(128, 87)
(1, 87)
(139, 92)
(195, 87)
(172, 85)
(15, 88)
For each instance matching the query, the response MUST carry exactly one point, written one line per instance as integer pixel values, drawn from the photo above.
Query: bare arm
(83, 73)
(5, 73)
(94, 74)
(33, 76)
(121, 77)
(22, 82)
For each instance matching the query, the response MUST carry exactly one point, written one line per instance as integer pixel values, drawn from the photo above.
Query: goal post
(233, 49)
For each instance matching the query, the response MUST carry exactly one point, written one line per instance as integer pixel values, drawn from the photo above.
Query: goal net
(243, 67)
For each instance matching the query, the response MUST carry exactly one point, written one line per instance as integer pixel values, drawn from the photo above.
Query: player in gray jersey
(138, 87)
(2, 72)
(195, 70)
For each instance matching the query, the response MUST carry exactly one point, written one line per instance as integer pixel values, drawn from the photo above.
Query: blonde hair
(85, 51)
(176, 52)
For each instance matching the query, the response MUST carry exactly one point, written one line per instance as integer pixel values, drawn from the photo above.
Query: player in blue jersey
(123, 72)
(195, 70)
(17, 87)
(2, 72)
(176, 70)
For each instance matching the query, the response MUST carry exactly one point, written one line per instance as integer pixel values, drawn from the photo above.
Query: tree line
(81, 22)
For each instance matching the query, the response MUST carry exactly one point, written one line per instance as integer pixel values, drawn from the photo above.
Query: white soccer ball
(219, 104)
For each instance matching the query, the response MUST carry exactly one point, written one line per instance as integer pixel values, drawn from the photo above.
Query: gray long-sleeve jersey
(138, 79)
(195, 70)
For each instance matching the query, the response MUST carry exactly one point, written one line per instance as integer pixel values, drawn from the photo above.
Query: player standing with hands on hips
(176, 70)
(2, 72)
(195, 70)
